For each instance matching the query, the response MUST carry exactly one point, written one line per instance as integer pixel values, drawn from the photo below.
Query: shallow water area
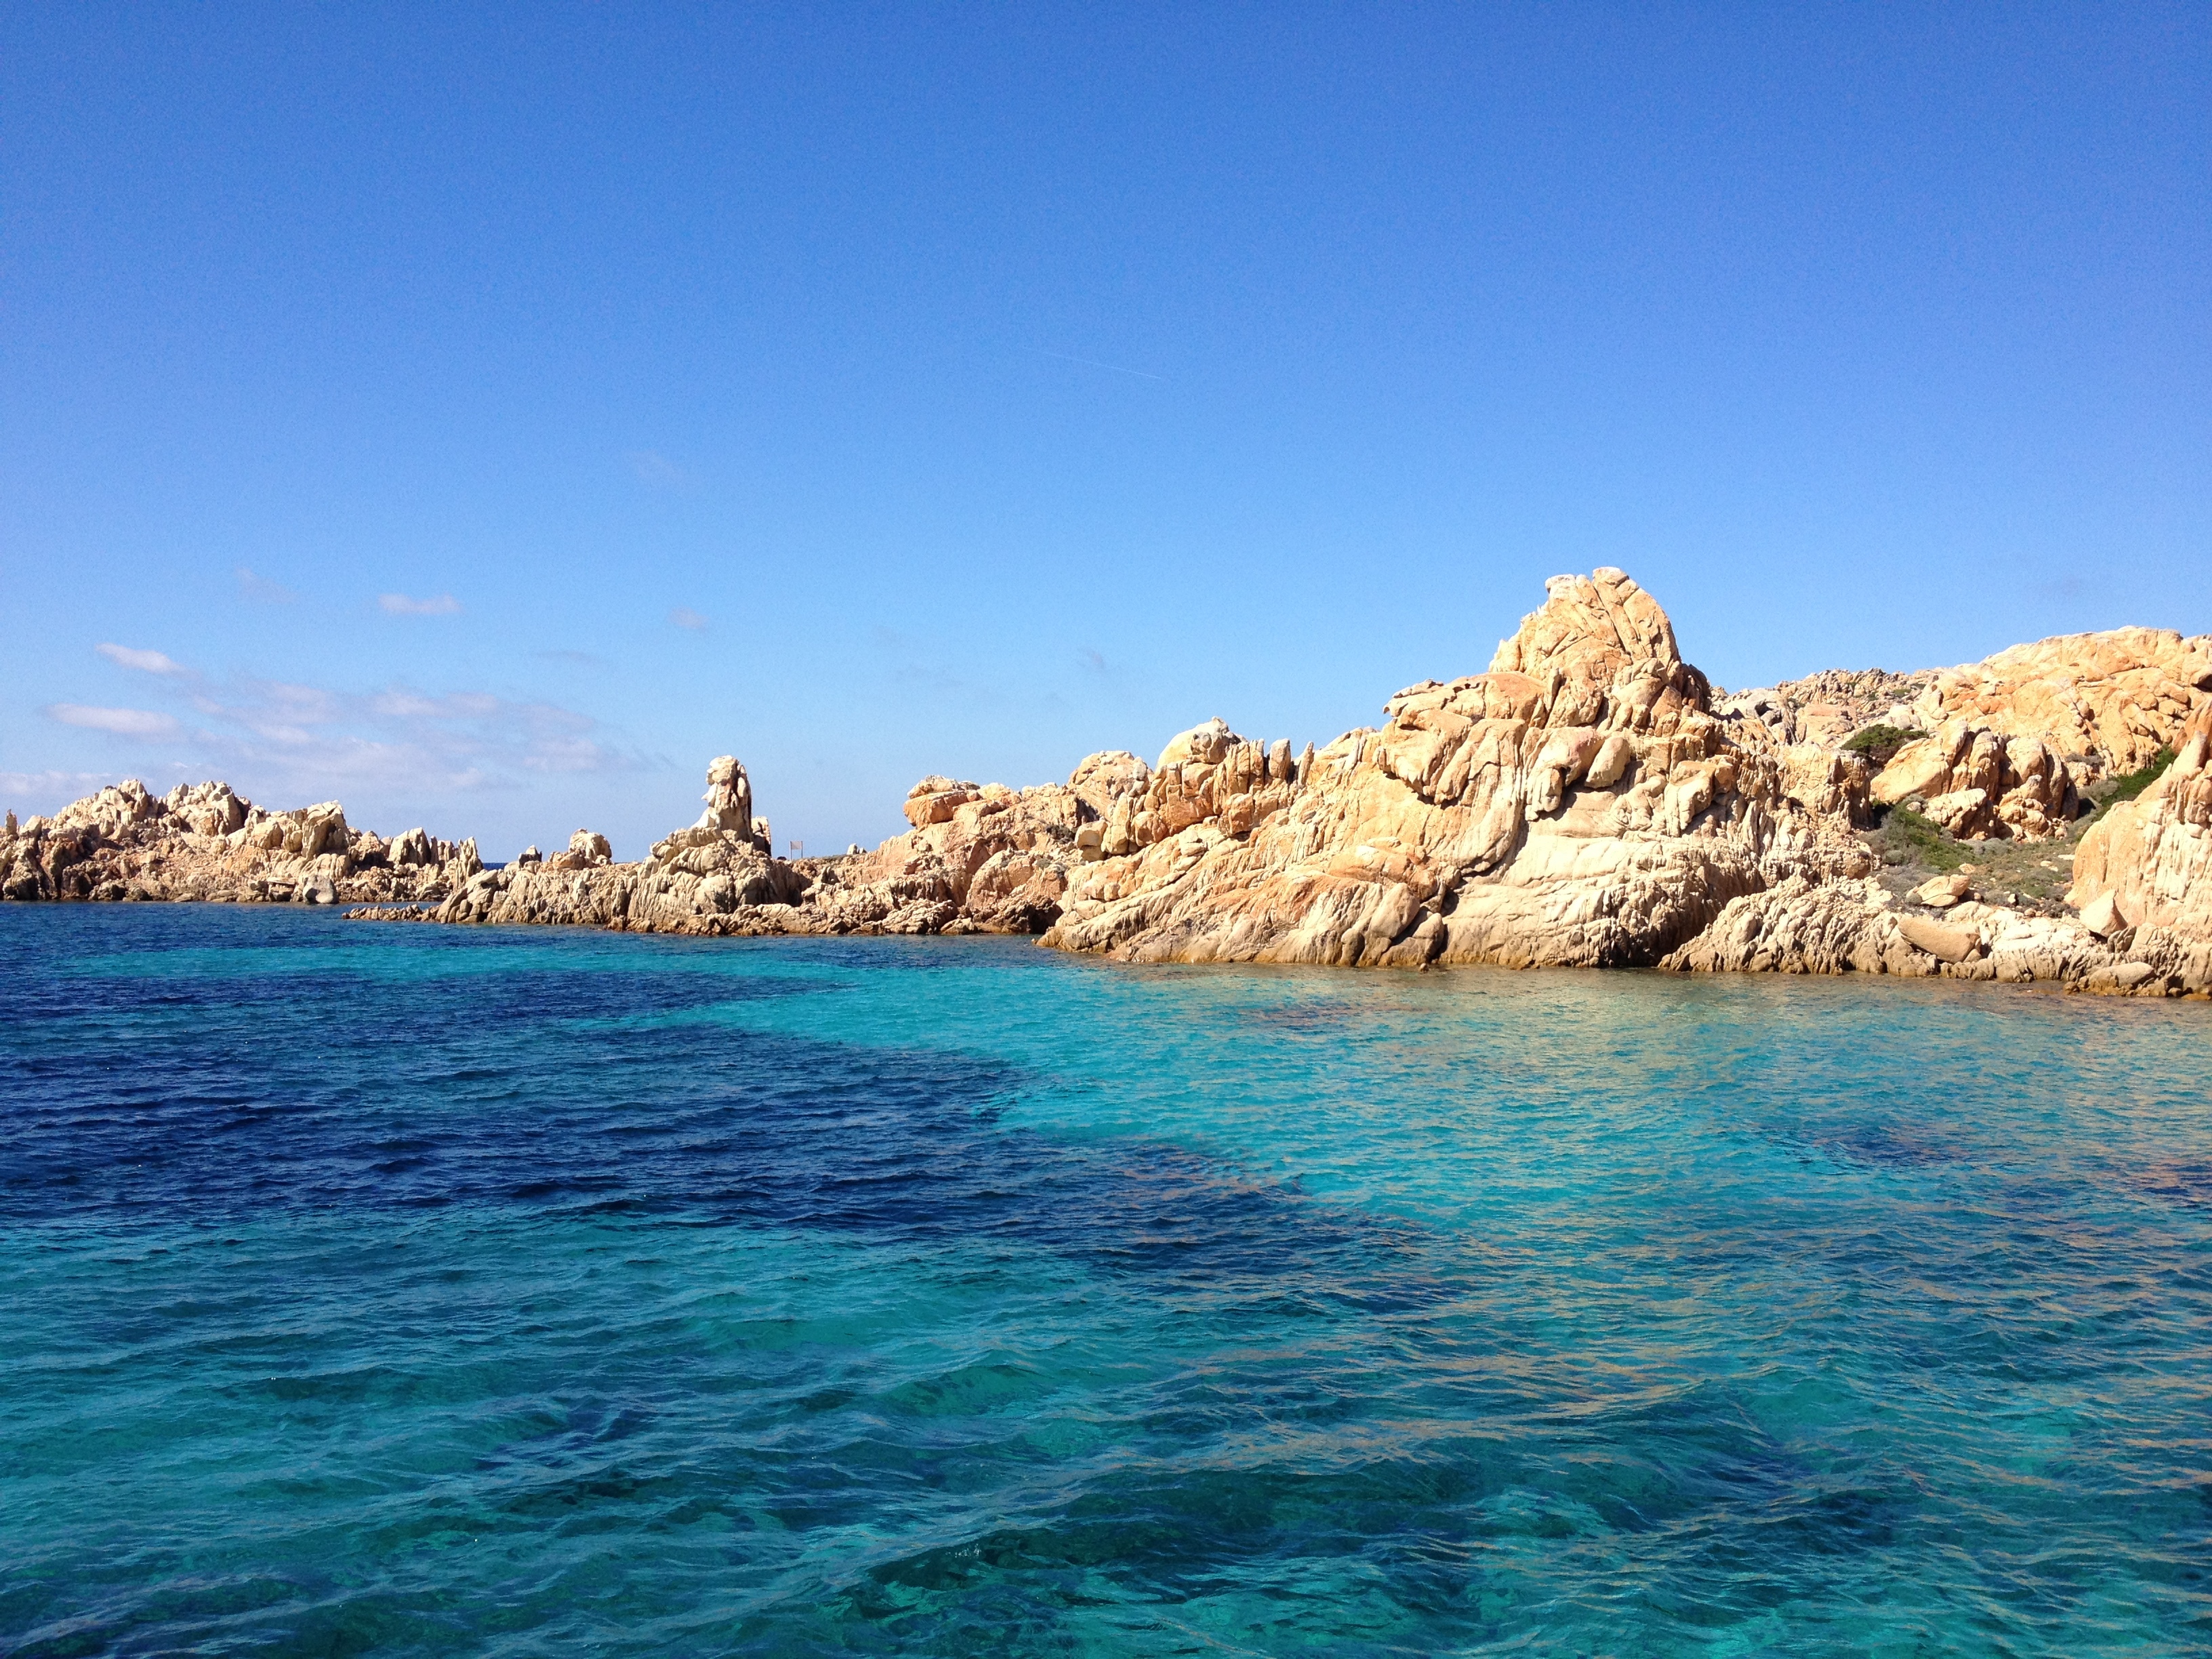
(422, 1290)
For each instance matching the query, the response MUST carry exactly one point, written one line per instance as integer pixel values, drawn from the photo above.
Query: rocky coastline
(1590, 800)
(201, 842)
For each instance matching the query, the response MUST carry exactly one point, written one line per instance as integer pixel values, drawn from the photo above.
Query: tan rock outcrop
(981, 859)
(992, 859)
(729, 798)
(202, 841)
(1823, 710)
(2142, 874)
(691, 881)
(1977, 783)
(2109, 700)
(2007, 746)
(1579, 803)
(1585, 801)
(1800, 927)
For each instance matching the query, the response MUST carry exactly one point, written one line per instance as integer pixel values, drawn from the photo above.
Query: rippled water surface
(414, 1290)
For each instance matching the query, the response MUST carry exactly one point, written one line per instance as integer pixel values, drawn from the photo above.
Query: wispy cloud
(260, 587)
(123, 722)
(581, 659)
(291, 741)
(27, 792)
(1093, 362)
(656, 469)
(925, 669)
(146, 662)
(910, 666)
(1093, 660)
(406, 705)
(683, 617)
(400, 604)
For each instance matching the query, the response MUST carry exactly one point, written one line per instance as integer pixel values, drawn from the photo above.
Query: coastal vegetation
(2131, 786)
(1880, 742)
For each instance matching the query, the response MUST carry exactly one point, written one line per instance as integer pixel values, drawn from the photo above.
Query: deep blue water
(416, 1290)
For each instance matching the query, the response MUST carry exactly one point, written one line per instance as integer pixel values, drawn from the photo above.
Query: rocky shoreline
(1590, 800)
(201, 842)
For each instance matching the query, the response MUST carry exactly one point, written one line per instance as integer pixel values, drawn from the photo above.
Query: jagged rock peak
(729, 796)
(1205, 744)
(1598, 623)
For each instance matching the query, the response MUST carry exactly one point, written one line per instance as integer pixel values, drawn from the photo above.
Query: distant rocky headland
(1591, 800)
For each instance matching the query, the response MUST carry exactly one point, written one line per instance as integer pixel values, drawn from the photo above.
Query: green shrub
(1909, 838)
(1878, 743)
(2112, 793)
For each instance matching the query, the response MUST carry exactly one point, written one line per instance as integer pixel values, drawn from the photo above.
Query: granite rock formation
(1799, 926)
(2143, 875)
(1587, 800)
(200, 841)
(1828, 708)
(2107, 701)
(2007, 748)
(1975, 783)
(1579, 804)
(980, 858)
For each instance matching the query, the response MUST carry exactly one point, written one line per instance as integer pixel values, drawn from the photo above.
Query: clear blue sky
(485, 415)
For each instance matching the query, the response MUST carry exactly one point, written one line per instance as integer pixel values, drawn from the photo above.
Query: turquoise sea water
(415, 1290)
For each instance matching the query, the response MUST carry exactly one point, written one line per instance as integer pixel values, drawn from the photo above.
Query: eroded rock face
(1585, 803)
(1800, 927)
(202, 841)
(2007, 746)
(982, 858)
(1578, 804)
(729, 796)
(2143, 875)
(1825, 709)
(1975, 783)
(2109, 702)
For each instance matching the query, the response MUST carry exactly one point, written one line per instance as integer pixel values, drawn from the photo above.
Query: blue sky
(486, 416)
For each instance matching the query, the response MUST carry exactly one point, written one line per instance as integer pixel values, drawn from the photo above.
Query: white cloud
(274, 709)
(260, 587)
(556, 754)
(283, 743)
(683, 617)
(401, 703)
(123, 722)
(656, 469)
(28, 793)
(315, 740)
(146, 662)
(399, 605)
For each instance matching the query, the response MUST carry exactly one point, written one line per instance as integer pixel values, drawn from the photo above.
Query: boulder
(2114, 699)
(1941, 892)
(1945, 943)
